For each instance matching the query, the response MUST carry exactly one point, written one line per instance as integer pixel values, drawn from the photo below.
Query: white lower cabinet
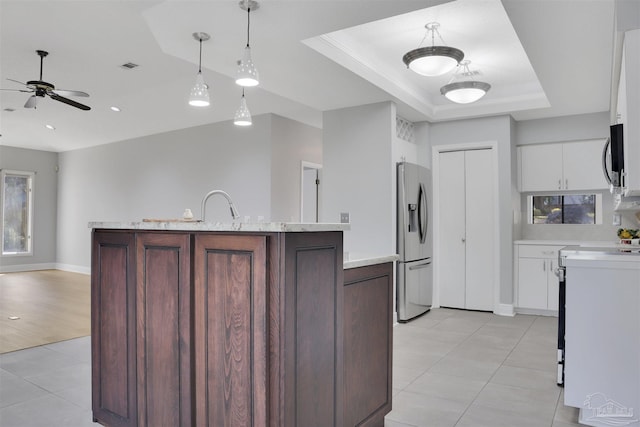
(537, 285)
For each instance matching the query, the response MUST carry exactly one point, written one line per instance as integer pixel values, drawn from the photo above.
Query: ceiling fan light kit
(247, 74)
(199, 96)
(466, 91)
(433, 60)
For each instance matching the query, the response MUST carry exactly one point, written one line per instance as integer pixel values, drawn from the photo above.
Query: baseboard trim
(537, 312)
(505, 310)
(73, 268)
(27, 267)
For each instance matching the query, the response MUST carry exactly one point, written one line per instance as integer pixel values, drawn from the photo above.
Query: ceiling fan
(40, 88)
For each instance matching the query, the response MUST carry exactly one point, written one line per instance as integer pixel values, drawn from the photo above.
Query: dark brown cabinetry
(236, 329)
(368, 318)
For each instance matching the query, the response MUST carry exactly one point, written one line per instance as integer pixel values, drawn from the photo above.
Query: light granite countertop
(351, 260)
(186, 225)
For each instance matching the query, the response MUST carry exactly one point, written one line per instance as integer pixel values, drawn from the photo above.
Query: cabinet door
(113, 329)
(553, 285)
(452, 211)
(540, 167)
(230, 331)
(368, 342)
(163, 316)
(479, 222)
(582, 162)
(532, 283)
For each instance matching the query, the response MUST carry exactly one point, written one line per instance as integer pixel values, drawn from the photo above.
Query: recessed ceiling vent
(129, 66)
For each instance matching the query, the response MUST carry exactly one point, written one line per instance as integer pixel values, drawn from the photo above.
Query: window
(17, 212)
(565, 209)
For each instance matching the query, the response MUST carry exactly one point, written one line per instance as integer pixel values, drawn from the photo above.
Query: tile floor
(474, 369)
(451, 368)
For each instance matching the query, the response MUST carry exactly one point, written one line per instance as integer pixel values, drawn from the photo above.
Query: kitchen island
(208, 324)
(602, 334)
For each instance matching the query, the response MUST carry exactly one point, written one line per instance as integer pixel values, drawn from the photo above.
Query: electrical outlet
(344, 217)
(617, 219)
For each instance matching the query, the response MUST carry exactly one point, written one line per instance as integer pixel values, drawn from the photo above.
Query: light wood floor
(52, 306)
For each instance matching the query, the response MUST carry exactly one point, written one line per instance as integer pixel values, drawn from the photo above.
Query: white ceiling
(543, 58)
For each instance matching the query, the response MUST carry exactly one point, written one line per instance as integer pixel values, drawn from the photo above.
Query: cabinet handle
(544, 265)
(559, 184)
(566, 184)
(464, 240)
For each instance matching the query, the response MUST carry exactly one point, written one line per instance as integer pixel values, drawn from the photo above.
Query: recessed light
(116, 109)
(50, 127)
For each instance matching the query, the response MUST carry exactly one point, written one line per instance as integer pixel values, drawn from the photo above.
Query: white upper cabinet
(561, 166)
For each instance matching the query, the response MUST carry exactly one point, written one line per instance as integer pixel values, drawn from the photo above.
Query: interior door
(452, 211)
(479, 229)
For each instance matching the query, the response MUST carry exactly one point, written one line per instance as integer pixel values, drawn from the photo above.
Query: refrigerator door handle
(420, 266)
(423, 214)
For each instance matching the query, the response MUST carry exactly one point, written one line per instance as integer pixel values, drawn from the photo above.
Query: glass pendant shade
(243, 116)
(465, 92)
(199, 96)
(434, 60)
(247, 73)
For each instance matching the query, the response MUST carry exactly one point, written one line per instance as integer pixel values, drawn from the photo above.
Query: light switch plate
(344, 217)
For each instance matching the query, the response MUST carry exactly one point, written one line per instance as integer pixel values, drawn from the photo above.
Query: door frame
(318, 167)
(436, 151)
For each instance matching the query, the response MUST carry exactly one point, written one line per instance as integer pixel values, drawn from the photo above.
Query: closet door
(479, 226)
(452, 211)
(466, 208)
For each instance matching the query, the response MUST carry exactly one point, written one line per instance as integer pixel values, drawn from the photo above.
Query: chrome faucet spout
(232, 207)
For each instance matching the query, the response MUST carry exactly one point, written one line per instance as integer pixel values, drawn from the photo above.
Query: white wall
(44, 164)
(567, 128)
(158, 176)
(482, 130)
(357, 171)
(291, 143)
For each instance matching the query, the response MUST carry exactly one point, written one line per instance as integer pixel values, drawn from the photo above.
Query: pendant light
(199, 96)
(433, 60)
(247, 74)
(243, 116)
(465, 91)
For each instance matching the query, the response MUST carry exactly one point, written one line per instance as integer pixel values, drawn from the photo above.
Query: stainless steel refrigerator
(414, 279)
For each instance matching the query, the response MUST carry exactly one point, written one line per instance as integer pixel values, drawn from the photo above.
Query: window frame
(598, 206)
(30, 211)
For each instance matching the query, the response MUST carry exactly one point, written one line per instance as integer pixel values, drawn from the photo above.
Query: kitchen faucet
(234, 211)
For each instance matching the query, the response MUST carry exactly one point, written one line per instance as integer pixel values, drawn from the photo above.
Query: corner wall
(357, 172)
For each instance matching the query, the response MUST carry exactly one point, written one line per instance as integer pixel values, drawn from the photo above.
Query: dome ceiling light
(433, 60)
(465, 91)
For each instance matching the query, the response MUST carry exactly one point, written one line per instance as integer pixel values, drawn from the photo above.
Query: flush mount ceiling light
(243, 116)
(433, 60)
(466, 91)
(247, 74)
(199, 96)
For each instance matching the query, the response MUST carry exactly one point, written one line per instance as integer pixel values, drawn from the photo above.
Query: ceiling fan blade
(18, 90)
(68, 101)
(31, 102)
(70, 92)
(16, 81)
